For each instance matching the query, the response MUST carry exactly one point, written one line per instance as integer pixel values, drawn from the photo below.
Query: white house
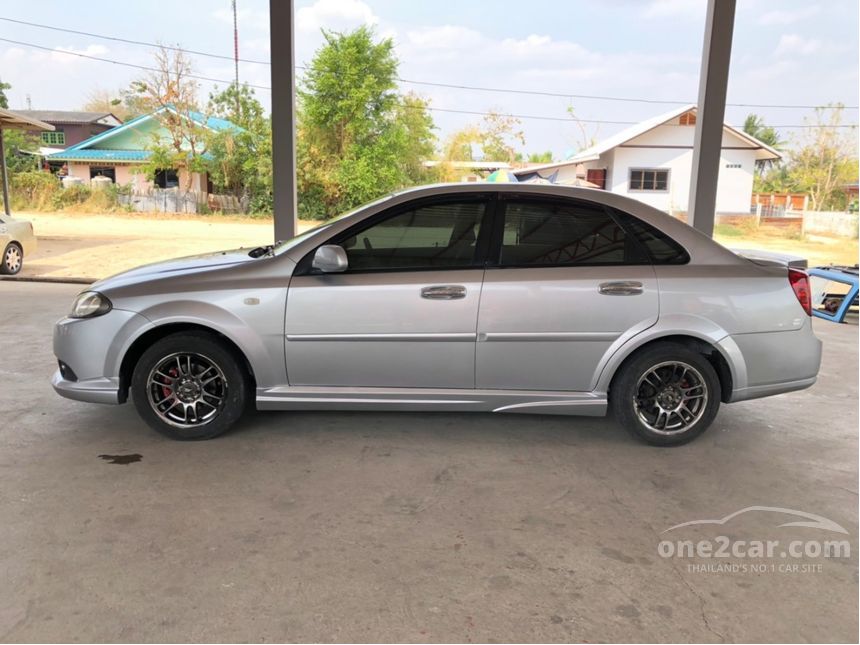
(652, 162)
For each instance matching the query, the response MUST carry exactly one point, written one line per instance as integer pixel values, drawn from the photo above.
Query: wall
(75, 132)
(830, 223)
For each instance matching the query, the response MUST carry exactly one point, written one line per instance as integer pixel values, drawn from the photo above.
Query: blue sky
(787, 52)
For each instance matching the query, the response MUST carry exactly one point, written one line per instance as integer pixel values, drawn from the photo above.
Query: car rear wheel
(666, 395)
(189, 386)
(12, 260)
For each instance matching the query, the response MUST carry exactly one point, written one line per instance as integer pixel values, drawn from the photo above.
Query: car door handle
(444, 292)
(620, 288)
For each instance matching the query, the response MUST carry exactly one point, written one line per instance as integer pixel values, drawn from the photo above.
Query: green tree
(754, 126)
(357, 137)
(4, 101)
(824, 159)
(540, 157)
(239, 161)
(182, 141)
(18, 146)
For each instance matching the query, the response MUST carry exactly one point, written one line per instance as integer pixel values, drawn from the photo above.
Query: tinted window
(543, 233)
(432, 236)
(661, 248)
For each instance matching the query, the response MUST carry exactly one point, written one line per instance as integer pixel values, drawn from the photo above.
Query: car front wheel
(189, 386)
(667, 394)
(12, 260)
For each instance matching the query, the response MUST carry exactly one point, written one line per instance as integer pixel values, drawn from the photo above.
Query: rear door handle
(444, 292)
(620, 288)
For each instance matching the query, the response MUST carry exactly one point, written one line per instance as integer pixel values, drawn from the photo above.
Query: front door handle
(620, 288)
(444, 292)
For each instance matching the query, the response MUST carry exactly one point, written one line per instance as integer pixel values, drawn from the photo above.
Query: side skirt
(431, 400)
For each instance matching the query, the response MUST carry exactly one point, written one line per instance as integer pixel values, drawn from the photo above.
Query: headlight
(90, 304)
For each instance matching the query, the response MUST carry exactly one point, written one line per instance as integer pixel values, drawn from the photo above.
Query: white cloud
(673, 8)
(778, 17)
(334, 14)
(792, 44)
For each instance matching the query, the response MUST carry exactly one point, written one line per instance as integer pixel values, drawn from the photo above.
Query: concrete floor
(409, 527)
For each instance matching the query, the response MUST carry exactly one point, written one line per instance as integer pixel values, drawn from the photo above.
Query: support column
(283, 54)
(713, 80)
(5, 176)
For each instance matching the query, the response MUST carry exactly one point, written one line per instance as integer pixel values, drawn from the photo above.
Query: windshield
(285, 245)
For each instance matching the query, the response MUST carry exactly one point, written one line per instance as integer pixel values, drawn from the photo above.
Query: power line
(432, 109)
(474, 88)
(123, 63)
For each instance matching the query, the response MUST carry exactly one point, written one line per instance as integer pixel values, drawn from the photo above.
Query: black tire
(12, 260)
(633, 402)
(231, 385)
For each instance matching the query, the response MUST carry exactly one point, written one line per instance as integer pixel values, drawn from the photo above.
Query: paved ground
(408, 527)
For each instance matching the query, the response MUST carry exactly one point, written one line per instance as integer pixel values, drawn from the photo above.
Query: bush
(34, 189)
(71, 195)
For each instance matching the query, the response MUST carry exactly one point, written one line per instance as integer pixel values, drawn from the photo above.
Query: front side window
(435, 236)
(542, 233)
(653, 179)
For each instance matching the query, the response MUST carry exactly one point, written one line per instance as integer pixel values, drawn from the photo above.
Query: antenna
(236, 52)
(29, 103)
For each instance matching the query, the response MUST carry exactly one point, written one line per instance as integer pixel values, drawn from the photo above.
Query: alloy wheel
(187, 390)
(671, 397)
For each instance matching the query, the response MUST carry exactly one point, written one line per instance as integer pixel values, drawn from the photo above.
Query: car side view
(16, 241)
(505, 298)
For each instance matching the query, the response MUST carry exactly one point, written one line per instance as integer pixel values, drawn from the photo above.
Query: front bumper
(92, 350)
(94, 390)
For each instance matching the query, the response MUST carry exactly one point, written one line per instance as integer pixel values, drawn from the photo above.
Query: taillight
(800, 283)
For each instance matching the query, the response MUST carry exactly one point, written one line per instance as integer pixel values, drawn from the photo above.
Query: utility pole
(236, 52)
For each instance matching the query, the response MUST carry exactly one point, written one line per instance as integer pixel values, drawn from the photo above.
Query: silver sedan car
(474, 297)
(16, 241)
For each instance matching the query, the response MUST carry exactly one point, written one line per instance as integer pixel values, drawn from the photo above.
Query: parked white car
(17, 241)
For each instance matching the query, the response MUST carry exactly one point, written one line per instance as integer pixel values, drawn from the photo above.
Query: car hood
(177, 267)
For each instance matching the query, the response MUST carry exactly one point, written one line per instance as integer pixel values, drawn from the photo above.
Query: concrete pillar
(5, 177)
(283, 55)
(713, 80)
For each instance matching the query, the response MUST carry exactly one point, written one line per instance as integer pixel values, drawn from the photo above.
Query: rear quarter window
(661, 248)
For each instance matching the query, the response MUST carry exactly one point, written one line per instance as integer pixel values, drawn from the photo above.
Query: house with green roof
(118, 152)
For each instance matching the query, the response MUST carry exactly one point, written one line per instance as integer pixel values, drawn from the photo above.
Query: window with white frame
(651, 179)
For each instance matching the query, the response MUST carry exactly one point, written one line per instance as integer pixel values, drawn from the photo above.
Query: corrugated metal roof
(83, 152)
(100, 155)
(69, 116)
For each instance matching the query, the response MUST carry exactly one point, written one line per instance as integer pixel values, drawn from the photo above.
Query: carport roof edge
(14, 120)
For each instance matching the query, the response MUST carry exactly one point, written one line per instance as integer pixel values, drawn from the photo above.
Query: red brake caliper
(165, 390)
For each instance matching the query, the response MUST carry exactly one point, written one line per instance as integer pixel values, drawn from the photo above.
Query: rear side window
(661, 248)
(428, 237)
(564, 233)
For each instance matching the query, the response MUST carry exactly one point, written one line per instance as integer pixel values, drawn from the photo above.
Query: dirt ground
(95, 246)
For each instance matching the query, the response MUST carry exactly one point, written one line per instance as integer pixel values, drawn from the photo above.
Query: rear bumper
(776, 362)
(759, 391)
(94, 390)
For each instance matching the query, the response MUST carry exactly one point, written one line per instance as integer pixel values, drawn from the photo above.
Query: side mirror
(330, 258)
